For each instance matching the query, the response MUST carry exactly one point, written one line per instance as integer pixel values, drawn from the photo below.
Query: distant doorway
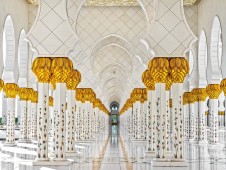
(114, 113)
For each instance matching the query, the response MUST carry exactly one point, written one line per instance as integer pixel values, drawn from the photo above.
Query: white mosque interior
(112, 84)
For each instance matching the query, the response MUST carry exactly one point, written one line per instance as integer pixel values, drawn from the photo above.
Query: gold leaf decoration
(41, 67)
(213, 91)
(11, 90)
(1, 84)
(61, 69)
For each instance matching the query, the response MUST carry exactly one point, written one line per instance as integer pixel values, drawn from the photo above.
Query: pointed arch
(202, 59)
(216, 50)
(8, 44)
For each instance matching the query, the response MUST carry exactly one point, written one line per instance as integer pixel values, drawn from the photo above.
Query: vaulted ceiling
(110, 53)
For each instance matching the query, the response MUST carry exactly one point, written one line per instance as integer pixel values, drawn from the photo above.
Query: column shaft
(42, 126)
(10, 127)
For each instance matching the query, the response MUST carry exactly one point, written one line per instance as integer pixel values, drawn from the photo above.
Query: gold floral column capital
(136, 94)
(159, 68)
(148, 80)
(42, 69)
(11, 90)
(179, 68)
(30, 92)
(34, 98)
(23, 93)
(168, 83)
(213, 91)
(191, 97)
(186, 98)
(79, 94)
(61, 68)
(73, 80)
(223, 86)
(199, 94)
(1, 84)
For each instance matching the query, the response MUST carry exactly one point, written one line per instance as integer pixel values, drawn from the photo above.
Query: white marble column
(87, 120)
(168, 122)
(177, 111)
(42, 69)
(78, 129)
(91, 120)
(196, 119)
(160, 120)
(59, 124)
(151, 108)
(137, 110)
(201, 96)
(130, 112)
(23, 93)
(29, 118)
(70, 122)
(186, 116)
(191, 117)
(213, 91)
(145, 119)
(83, 120)
(223, 87)
(10, 90)
(134, 120)
(142, 120)
(97, 110)
(34, 102)
(42, 122)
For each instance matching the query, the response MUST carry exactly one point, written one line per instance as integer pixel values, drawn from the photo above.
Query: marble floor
(113, 151)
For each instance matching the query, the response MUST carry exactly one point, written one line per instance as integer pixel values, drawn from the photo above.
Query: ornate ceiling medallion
(111, 3)
(191, 2)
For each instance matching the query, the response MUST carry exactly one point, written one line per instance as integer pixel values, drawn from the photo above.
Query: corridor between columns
(114, 149)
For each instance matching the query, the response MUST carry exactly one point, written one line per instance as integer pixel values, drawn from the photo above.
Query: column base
(41, 160)
(170, 163)
(149, 154)
(59, 159)
(51, 163)
(9, 144)
(24, 141)
(33, 139)
(169, 154)
(191, 140)
(71, 154)
(203, 142)
(214, 146)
